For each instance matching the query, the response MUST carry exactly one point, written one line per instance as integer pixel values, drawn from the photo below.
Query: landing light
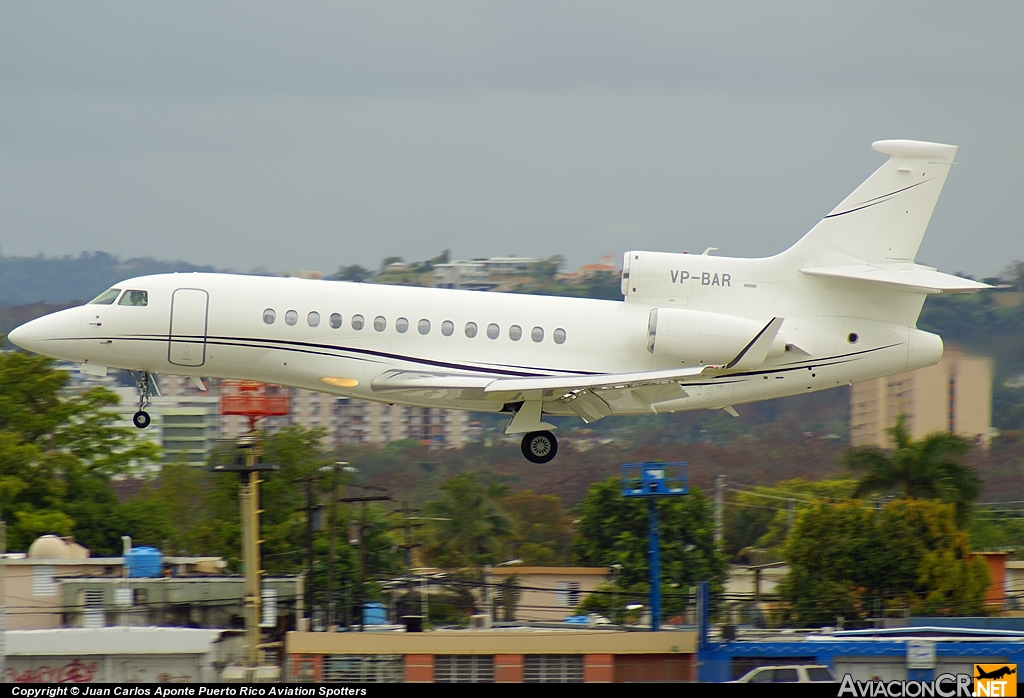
(339, 382)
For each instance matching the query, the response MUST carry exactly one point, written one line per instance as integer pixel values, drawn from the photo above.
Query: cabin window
(537, 334)
(269, 316)
(423, 326)
(291, 317)
(559, 336)
(357, 322)
(515, 333)
(106, 298)
(471, 329)
(379, 323)
(493, 331)
(139, 299)
(447, 328)
(313, 319)
(335, 321)
(402, 325)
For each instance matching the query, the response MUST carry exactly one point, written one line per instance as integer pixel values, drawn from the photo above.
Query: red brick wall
(598, 668)
(508, 668)
(653, 667)
(419, 668)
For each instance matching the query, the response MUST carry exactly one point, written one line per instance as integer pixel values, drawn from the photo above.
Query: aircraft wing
(433, 381)
(589, 396)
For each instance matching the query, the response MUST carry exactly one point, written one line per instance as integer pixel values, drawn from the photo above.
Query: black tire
(141, 419)
(540, 447)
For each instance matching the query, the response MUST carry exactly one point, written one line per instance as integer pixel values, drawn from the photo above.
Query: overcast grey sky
(307, 135)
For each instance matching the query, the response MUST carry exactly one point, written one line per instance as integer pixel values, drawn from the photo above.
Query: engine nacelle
(698, 338)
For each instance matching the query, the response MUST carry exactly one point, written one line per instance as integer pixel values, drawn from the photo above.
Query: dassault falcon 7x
(693, 331)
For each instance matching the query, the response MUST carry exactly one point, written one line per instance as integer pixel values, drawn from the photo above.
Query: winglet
(754, 354)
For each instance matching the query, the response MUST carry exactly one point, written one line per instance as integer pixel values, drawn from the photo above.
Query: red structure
(252, 400)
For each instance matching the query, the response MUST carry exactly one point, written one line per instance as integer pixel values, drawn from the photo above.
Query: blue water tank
(144, 562)
(374, 614)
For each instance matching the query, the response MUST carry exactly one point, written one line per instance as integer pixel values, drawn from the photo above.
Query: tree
(926, 469)
(468, 528)
(353, 272)
(852, 560)
(58, 454)
(612, 530)
(547, 268)
(466, 531)
(542, 532)
(758, 519)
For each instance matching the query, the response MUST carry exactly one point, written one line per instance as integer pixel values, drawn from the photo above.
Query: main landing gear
(540, 446)
(143, 383)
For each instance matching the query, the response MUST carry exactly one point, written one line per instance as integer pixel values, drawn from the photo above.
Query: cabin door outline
(186, 344)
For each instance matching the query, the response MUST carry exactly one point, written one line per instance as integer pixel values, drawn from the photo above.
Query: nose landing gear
(540, 447)
(143, 383)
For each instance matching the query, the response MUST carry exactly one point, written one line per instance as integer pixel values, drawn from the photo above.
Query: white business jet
(693, 332)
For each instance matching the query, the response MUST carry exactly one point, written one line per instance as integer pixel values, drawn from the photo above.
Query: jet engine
(698, 338)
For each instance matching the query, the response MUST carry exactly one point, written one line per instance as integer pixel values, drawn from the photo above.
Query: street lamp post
(616, 569)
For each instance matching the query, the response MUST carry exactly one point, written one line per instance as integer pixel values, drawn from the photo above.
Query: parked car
(791, 673)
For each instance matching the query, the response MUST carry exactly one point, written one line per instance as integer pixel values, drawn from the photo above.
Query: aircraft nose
(53, 335)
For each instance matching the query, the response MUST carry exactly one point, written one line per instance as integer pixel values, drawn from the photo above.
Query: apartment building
(344, 420)
(954, 395)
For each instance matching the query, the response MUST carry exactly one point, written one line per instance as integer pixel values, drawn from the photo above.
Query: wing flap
(607, 380)
(395, 381)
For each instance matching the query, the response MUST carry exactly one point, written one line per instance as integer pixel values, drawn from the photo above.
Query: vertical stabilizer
(884, 219)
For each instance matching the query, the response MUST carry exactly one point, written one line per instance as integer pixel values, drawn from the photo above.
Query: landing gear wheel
(141, 419)
(540, 446)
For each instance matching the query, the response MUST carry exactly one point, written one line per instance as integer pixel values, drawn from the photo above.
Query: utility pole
(361, 595)
(3, 600)
(253, 401)
(308, 482)
(338, 468)
(248, 499)
(331, 523)
(408, 546)
(719, 509)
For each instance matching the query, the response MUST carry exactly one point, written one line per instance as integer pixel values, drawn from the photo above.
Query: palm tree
(929, 468)
(467, 528)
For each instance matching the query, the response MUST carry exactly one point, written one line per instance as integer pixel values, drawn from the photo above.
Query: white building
(119, 655)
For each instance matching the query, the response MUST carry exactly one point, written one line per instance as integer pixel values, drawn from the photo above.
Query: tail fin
(884, 219)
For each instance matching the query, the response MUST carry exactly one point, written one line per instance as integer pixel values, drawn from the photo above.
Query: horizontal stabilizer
(909, 277)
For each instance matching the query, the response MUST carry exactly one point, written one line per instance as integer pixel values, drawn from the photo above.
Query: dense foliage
(852, 560)
(612, 530)
(58, 455)
(929, 468)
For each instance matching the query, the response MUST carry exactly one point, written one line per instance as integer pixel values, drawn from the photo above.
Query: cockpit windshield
(106, 298)
(138, 298)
